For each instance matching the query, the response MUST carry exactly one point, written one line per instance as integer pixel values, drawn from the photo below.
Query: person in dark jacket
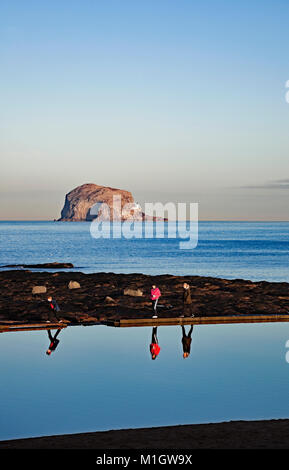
(187, 302)
(53, 309)
(53, 341)
(154, 346)
(187, 341)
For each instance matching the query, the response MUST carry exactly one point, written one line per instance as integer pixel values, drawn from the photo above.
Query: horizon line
(187, 220)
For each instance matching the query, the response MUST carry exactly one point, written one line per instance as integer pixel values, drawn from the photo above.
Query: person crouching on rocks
(53, 309)
(187, 302)
(155, 295)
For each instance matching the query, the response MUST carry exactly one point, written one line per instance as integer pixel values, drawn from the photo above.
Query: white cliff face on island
(90, 201)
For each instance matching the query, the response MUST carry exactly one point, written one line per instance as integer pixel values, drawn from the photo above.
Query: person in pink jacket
(155, 295)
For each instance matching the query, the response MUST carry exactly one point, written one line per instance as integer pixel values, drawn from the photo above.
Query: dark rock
(54, 265)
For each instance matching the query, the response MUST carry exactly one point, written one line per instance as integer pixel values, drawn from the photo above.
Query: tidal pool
(101, 378)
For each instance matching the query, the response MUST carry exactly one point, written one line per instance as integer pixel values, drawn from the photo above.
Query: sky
(175, 101)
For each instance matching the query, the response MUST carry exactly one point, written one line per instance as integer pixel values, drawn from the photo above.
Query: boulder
(39, 290)
(133, 292)
(73, 285)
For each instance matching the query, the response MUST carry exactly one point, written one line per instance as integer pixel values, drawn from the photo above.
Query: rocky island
(91, 201)
(80, 201)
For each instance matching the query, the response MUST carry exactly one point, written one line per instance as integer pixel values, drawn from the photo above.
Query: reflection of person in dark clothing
(154, 346)
(53, 341)
(187, 302)
(187, 341)
(53, 308)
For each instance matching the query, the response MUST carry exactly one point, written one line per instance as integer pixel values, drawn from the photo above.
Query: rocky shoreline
(109, 296)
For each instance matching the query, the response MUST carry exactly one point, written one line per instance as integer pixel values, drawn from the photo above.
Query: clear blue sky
(174, 100)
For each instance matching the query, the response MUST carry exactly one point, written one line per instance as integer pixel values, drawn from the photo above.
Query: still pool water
(103, 378)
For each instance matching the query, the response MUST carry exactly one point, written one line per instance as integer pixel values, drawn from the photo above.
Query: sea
(244, 250)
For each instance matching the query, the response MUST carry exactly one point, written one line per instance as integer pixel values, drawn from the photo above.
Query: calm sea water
(256, 251)
(103, 378)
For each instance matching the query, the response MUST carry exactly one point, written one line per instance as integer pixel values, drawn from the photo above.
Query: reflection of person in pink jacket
(154, 346)
(155, 295)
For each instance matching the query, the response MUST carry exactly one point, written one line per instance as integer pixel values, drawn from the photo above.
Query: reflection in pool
(98, 378)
